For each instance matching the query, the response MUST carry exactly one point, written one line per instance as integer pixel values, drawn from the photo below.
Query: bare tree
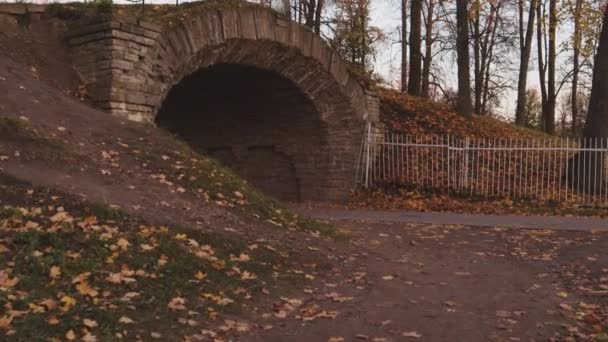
(428, 44)
(404, 45)
(464, 105)
(415, 46)
(597, 118)
(525, 46)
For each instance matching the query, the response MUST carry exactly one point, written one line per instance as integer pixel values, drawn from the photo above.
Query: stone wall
(130, 67)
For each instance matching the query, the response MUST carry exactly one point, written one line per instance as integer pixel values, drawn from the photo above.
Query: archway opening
(255, 122)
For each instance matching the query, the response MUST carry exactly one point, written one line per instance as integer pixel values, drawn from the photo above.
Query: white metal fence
(542, 169)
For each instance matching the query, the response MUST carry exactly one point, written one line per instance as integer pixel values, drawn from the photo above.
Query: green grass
(165, 271)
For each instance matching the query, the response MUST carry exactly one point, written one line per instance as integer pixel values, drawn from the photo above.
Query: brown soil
(453, 283)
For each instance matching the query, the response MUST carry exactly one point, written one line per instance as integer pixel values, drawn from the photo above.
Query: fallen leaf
(126, 320)
(89, 323)
(177, 303)
(55, 272)
(412, 334)
(70, 335)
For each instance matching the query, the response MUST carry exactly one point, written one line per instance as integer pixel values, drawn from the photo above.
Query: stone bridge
(260, 93)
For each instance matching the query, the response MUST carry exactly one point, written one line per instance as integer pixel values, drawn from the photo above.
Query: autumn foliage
(416, 115)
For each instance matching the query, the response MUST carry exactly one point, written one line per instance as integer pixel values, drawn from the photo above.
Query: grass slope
(70, 269)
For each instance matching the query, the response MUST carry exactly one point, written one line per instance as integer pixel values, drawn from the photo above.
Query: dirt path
(507, 221)
(453, 283)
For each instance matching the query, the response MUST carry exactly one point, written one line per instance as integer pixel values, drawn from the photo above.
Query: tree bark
(541, 61)
(428, 54)
(596, 125)
(576, 64)
(478, 72)
(525, 52)
(597, 118)
(415, 45)
(464, 105)
(552, 94)
(404, 46)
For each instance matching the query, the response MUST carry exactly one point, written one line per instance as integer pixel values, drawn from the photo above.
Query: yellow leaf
(177, 303)
(200, 275)
(6, 281)
(85, 290)
(70, 335)
(146, 247)
(5, 322)
(412, 334)
(48, 303)
(81, 277)
(88, 337)
(248, 276)
(61, 216)
(35, 308)
(123, 244)
(68, 303)
(55, 272)
(181, 236)
(89, 323)
(126, 320)
(162, 260)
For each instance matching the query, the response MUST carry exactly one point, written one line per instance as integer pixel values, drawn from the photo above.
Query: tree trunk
(525, 50)
(415, 44)
(576, 64)
(404, 46)
(310, 13)
(428, 55)
(597, 118)
(477, 53)
(541, 61)
(597, 123)
(318, 13)
(464, 105)
(552, 94)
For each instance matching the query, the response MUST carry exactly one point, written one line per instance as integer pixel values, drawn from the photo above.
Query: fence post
(448, 153)
(367, 154)
(466, 163)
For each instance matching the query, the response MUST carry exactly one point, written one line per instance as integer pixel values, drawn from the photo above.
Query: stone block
(212, 27)
(149, 26)
(14, 9)
(8, 22)
(264, 22)
(321, 52)
(230, 24)
(281, 30)
(248, 24)
(305, 38)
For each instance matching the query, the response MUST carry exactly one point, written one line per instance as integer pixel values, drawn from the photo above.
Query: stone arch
(151, 61)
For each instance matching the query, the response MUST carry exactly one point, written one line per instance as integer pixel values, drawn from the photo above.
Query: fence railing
(543, 169)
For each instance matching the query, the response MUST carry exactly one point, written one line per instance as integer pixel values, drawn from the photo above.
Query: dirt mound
(413, 115)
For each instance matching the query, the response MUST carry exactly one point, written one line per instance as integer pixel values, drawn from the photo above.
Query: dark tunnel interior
(253, 121)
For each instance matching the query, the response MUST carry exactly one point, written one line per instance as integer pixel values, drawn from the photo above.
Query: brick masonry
(311, 143)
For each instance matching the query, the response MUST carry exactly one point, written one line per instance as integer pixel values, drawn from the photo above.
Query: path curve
(506, 221)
